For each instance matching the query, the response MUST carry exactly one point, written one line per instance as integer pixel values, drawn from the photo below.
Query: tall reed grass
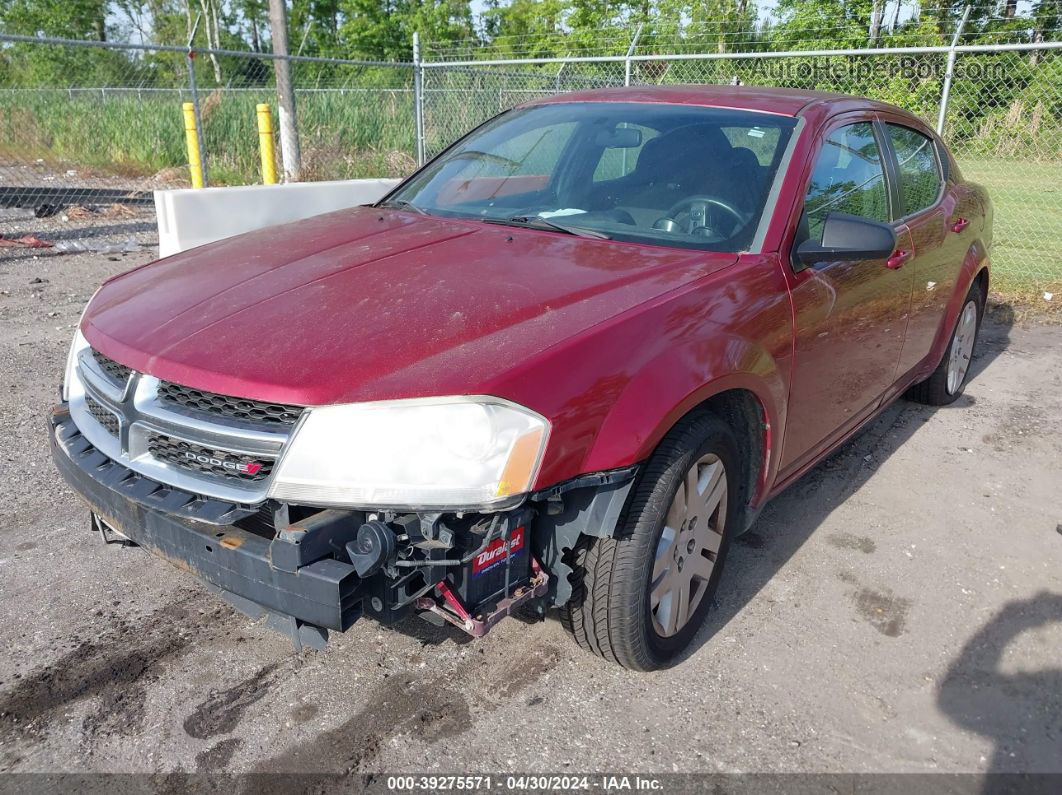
(344, 133)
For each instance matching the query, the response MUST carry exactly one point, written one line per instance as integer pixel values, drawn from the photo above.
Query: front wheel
(639, 598)
(946, 383)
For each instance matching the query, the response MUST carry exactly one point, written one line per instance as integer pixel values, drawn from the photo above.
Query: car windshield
(662, 174)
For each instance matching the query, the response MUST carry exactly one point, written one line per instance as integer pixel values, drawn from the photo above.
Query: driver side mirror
(848, 238)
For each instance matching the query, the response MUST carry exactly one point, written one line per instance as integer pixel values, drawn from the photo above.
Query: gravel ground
(899, 609)
(95, 229)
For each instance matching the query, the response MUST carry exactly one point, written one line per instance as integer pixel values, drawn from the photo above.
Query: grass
(343, 135)
(1027, 197)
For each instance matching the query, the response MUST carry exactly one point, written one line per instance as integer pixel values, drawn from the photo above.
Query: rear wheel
(639, 598)
(946, 383)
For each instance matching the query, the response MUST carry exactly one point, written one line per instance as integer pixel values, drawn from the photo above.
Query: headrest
(672, 153)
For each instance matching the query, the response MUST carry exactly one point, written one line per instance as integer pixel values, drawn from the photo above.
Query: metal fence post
(949, 72)
(418, 98)
(630, 52)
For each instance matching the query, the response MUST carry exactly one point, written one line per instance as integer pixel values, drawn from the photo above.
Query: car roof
(779, 101)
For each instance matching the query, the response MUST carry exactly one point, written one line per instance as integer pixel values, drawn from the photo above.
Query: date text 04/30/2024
(517, 783)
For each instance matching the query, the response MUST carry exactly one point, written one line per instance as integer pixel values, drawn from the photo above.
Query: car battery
(482, 579)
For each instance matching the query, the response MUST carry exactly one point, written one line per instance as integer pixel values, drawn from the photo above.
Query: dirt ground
(899, 609)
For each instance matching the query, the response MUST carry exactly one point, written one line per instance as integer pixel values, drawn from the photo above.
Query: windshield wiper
(536, 222)
(402, 204)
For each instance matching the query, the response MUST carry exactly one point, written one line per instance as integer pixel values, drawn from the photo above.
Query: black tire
(934, 390)
(609, 613)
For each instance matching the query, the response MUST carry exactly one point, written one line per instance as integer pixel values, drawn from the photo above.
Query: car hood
(369, 304)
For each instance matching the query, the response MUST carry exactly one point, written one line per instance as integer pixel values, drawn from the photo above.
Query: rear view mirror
(620, 138)
(848, 238)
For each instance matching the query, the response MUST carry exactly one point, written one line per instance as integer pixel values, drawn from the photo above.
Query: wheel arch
(974, 271)
(744, 413)
(982, 280)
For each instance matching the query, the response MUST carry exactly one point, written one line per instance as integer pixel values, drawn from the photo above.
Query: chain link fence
(460, 98)
(86, 132)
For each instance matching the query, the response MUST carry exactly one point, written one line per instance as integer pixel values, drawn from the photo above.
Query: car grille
(221, 447)
(103, 416)
(208, 461)
(117, 374)
(232, 408)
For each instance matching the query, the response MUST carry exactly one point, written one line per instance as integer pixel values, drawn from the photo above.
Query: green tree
(383, 29)
(526, 28)
(74, 19)
(818, 24)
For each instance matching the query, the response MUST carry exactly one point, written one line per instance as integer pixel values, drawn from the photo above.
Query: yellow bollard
(265, 144)
(191, 135)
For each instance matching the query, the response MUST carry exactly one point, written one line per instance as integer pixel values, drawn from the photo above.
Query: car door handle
(896, 261)
(960, 224)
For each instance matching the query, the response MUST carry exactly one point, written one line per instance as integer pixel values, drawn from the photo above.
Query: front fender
(614, 391)
(679, 379)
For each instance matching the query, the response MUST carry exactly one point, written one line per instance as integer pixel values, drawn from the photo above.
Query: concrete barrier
(189, 218)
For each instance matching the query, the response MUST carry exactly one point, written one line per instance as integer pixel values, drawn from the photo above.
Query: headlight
(458, 452)
(78, 344)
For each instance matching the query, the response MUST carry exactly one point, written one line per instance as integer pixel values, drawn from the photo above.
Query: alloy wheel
(962, 345)
(689, 545)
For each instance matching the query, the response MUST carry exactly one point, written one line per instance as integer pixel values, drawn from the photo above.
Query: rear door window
(849, 177)
(919, 168)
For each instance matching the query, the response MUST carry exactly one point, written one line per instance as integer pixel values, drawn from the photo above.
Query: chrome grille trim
(91, 373)
(213, 431)
(140, 415)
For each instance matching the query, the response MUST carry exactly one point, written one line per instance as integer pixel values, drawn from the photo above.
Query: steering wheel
(697, 208)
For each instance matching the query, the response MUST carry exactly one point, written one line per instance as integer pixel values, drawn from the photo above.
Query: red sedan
(561, 366)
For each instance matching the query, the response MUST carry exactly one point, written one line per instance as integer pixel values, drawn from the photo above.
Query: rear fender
(976, 258)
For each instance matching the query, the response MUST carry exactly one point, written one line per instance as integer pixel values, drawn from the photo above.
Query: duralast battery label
(495, 553)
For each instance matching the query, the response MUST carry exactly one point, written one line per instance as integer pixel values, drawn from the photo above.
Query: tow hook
(455, 613)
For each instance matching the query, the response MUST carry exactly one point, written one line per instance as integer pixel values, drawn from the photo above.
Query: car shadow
(1020, 711)
(428, 633)
(993, 338)
(790, 518)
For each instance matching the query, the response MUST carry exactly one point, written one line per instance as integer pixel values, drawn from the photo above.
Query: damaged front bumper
(192, 533)
(300, 575)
